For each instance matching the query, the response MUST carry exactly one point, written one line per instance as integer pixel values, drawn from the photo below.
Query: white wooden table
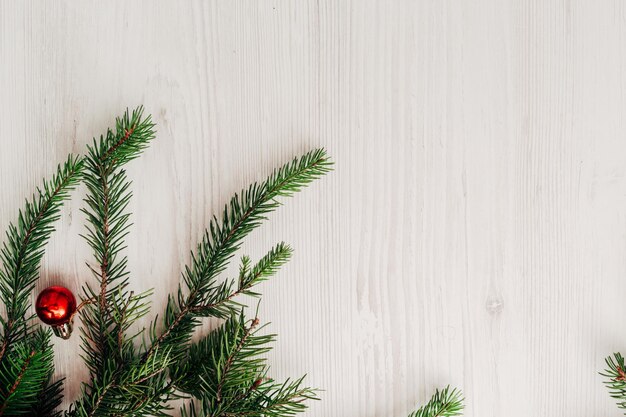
(473, 233)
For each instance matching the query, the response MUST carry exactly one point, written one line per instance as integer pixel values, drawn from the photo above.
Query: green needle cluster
(139, 373)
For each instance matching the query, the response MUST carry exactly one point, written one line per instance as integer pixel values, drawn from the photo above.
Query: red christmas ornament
(56, 306)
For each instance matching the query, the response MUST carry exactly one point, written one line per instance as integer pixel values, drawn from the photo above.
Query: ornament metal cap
(64, 331)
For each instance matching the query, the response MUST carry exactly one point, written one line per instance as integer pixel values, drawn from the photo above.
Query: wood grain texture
(473, 232)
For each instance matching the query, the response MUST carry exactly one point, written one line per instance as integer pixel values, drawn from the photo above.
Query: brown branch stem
(17, 382)
(231, 358)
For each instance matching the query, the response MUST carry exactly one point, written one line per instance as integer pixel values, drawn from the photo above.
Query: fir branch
(278, 400)
(108, 196)
(22, 252)
(224, 374)
(25, 374)
(227, 371)
(127, 380)
(117, 376)
(615, 375)
(24, 362)
(245, 213)
(445, 403)
(26, 358)
(219, 302)
(208, 365)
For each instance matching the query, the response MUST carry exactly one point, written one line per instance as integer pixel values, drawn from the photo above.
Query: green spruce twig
(132, 380)
(22, 252)
(204, 295)
(445, 403)
(225, 373)
(615, 381)
(26, 365)
(119, 383)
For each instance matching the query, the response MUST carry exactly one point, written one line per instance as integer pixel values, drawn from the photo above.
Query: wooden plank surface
(473, 232)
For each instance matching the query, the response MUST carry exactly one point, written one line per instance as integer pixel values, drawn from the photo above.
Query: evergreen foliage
(26, 365)
(445, 403)
(119, 383)
(615, 381)
(25, 377)
(138, 373)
